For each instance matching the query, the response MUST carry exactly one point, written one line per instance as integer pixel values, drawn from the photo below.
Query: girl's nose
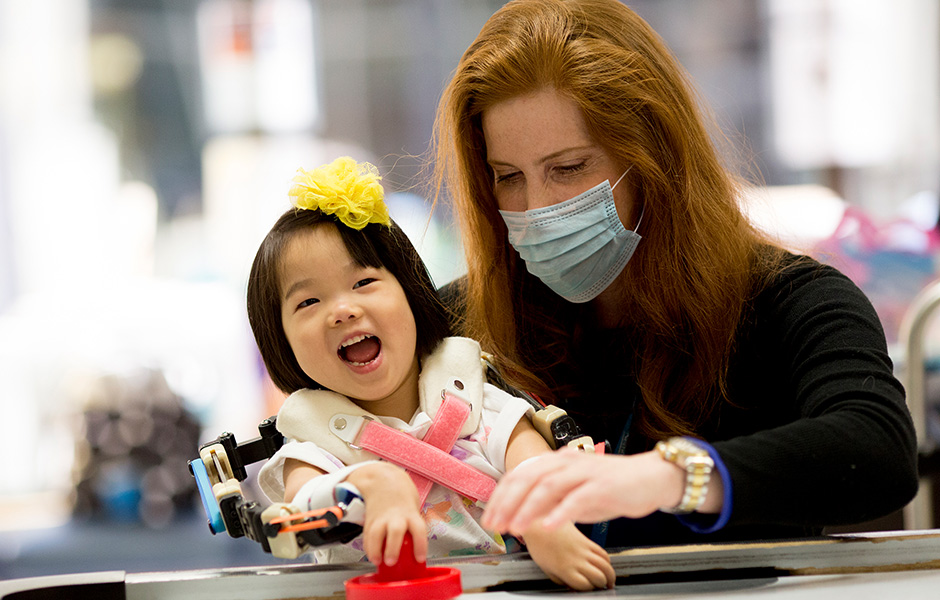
(344, 311)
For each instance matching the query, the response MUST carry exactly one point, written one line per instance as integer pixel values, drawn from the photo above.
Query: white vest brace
(332, 421)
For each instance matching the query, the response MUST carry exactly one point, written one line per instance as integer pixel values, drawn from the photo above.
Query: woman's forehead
(536, 125)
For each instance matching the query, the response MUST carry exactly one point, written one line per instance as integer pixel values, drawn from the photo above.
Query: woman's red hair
(686, 288)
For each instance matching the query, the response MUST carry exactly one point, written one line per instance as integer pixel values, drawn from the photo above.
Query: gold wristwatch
(698, 467)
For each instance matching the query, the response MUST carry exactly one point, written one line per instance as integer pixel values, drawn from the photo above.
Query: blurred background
(146, 146)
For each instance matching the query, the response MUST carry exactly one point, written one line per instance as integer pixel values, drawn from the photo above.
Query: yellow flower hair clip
(344, 188)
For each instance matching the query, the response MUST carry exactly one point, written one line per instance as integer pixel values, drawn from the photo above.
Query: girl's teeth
(354, 340)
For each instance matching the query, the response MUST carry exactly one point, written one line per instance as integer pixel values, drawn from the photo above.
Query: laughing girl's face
(350, 327)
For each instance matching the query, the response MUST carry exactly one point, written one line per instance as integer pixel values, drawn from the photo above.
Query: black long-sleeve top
(817, 431)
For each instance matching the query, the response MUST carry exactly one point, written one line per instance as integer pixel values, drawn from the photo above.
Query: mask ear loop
(640, 220)
(621, 178)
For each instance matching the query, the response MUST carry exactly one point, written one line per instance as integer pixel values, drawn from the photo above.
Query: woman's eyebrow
(544, 159)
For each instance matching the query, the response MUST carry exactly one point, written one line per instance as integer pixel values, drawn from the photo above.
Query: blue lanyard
(599, 530)
(625, 435)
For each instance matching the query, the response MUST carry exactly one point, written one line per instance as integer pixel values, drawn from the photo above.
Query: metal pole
(919, 513)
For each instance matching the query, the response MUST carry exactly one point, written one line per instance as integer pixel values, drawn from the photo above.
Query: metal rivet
(458, 384)
(340, 424)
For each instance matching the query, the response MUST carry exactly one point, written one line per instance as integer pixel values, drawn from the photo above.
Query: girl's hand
(570, 485)
(391, 509)
(569, 558)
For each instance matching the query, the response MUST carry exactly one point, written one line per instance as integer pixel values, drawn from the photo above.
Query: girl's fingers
(598, 577)
(372, 544)
(580, 582)
(419, 538)
(601, 560)
(393, 540)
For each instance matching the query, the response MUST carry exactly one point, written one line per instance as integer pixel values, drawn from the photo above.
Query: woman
(611, 272)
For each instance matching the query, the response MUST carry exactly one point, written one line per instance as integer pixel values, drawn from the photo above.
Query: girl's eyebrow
(308, 281)
(296, 286)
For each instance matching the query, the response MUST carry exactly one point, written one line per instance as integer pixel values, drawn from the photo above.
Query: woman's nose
(540, 196)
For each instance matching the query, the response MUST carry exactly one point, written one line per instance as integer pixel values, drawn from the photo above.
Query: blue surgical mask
(577, 247)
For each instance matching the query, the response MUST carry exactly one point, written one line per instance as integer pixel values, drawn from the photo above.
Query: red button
(407, 579)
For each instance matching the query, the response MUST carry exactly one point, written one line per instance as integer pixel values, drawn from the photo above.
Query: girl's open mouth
(360, 350)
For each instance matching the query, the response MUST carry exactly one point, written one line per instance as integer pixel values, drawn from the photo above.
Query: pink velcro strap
(437, 465)
(443, 432)
(445, 429)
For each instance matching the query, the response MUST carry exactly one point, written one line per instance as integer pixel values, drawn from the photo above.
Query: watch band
(698, 466)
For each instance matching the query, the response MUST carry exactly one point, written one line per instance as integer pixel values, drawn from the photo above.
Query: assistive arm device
(281, 529)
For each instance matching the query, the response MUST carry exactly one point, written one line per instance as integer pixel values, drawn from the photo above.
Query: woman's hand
(570, 485)
(391, 510)
(569, 558)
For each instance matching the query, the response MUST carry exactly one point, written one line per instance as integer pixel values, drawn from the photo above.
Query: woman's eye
(507, 177)
(308, 302)
(570, 169)
(363, 282)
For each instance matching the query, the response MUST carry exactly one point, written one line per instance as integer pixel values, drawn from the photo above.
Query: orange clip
(336, 511)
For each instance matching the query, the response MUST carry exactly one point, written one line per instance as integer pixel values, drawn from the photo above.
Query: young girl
(343, 310)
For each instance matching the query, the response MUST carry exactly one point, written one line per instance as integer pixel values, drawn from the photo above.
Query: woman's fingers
(552, 492)
(586, 488)
(578, 505)
(527, 491)
(510, 492)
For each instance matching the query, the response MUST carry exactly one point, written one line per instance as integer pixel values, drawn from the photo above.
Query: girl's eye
(507, 177)
(363, 282)
(308, 302)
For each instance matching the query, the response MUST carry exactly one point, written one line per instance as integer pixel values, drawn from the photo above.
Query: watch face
(680, 450)
(698, 466)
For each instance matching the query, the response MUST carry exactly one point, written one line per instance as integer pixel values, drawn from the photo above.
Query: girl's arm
(296, 474)
(524, 443)
(391, 501)
(566, 555)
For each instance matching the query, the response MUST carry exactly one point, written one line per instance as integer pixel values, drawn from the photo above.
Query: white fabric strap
(347, 427)
(318, 493)
(455, 368)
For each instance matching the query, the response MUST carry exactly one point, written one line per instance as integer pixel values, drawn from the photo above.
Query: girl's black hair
(374, 246)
